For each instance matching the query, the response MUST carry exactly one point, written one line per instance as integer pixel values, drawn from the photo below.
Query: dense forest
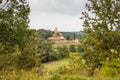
(25, 53)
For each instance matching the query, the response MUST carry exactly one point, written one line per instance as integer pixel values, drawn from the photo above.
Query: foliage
(63, 51)
(29, 57)
(72, 48)
(45, 51)
(71, 35)
(25, 59)
(110, 68)
(49, 53)
(76, 65)
(16, 40)
(44, 34)
(80, 48)
(7, 61)
(65, 77)
(21, 75)
(13, 25)
(102, 33)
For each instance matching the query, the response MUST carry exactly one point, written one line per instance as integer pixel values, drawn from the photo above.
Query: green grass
(64, 44)
(49, 67)
(53, 66)
(50, 73)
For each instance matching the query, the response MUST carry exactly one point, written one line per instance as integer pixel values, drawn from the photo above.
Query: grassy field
(53, 66)
(64, 44)
(49, 67)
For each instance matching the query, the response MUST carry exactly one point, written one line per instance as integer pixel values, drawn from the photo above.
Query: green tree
(103, 32)
(29, 57)
(44, 49)
(42, 33)
(15, 37)
(13, 25)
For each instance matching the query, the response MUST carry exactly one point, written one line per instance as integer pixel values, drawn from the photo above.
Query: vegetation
(49, 53)
(72, 48)
(44, 34)
(63, 52)
(71, 35)
(102, 33)
(25, 54)
(17, 43)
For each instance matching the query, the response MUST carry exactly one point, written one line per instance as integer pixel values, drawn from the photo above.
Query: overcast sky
(64, 14)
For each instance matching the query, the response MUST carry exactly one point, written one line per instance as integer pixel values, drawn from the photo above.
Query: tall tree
(13, 24)
(103, 32)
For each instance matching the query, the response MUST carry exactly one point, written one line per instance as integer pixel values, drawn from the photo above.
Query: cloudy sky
(64, 14)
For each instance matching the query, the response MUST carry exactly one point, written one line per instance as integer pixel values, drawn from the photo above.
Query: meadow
(52, 71)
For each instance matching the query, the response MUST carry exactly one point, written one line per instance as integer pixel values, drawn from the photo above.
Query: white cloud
(51, 13)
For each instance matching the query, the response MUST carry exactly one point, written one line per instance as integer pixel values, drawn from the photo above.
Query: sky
(64, 14)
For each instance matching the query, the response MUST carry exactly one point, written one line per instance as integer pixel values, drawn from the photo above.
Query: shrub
(80, 48)
(63, 51)
(27, 58)
(72, 48)
(110, 68)
(48, 53)
(76, 65)
(45, 51)
(27, 61)
(7, 61)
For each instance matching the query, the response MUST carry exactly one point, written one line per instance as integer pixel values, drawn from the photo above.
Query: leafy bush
(80, 48)
(19, 60)
(102, 35)
(110, 68)
(48, 53)
(6, 61)
(62, 51)
(45, 51)
(76, 65)
(27, 60)
(72, 48)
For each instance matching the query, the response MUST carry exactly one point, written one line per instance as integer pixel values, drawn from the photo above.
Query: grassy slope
(50, 66)
(53, 66)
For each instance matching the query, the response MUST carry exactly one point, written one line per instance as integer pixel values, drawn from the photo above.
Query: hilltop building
(57, 37)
